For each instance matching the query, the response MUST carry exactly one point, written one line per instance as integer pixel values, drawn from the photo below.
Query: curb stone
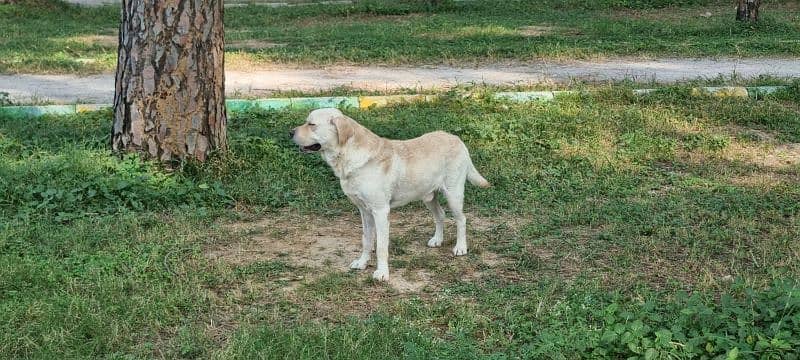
(366, 102)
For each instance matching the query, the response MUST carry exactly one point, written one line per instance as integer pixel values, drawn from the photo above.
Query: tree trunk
(169, 102)
(747, 10)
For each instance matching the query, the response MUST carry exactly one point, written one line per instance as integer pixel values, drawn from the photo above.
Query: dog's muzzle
(309, 148)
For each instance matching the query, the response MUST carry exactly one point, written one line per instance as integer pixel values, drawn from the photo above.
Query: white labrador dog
(378, 174)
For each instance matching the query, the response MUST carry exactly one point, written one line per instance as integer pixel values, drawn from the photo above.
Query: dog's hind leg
(455, 200)
(438, 218)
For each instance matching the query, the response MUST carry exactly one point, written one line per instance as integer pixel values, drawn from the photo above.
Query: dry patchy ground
(320, 245)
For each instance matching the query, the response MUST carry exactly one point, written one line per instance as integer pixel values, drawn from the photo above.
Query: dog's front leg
(367, 239)
(381, 218)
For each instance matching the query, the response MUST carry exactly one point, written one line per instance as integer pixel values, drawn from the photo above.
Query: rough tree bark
(169, 102)
(747, 10)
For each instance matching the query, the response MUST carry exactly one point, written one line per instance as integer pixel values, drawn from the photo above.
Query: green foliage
(581, 323)
(605, 208)
(261, 156)
(706, 142)
(42, 36)
(379, 335)
(791, 92)
(64, 171)
(471, 31)
(264, 268)
(403, 7)
(5, 100)
(764, 324)
(98, 286)
(71, 39)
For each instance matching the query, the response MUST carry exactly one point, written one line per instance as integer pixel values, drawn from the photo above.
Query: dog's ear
(344, 128)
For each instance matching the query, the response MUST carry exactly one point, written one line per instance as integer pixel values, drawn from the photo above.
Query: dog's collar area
(312, 148)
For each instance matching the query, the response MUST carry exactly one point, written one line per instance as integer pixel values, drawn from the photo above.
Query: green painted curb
(237, 105)
(37, 110)
(323, 102)
(525, 96)
(759, 91)
(643, 91)
(233, 105)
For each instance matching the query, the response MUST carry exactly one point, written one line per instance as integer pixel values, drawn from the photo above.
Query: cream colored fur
(378, 174)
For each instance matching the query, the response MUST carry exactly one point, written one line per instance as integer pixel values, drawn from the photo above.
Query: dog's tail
(475, 177)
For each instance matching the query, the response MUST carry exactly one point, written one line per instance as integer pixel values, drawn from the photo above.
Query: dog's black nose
(291, 133)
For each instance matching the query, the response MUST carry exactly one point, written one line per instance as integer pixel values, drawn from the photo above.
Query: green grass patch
(655, 226)
(581, 325)
(69, 39)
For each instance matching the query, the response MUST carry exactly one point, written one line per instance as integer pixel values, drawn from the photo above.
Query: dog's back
(432, 162)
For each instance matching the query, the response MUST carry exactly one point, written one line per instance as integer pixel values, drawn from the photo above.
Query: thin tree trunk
(747, 10)
(169, 102)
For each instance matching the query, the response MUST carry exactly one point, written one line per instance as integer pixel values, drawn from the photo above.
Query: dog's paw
(381, 275)
(359, 264)
(435, 242)
(460, 251)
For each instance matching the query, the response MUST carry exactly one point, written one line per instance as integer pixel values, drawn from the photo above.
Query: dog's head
(324, 129)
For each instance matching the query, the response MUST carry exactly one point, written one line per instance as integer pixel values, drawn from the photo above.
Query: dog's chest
(351, 189)
(369, 189)
(359, 193)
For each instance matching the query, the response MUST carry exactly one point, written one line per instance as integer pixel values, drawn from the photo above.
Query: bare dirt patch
(107, 41)
(759, 135)
(410, 281)
(759, 180)
(299, 240)
(670, 14)
(252, 44)
(535, 30)
(753, 158)
(781, 156)
(355, 19)
(497, 31)
(331, 243)
(766, 152)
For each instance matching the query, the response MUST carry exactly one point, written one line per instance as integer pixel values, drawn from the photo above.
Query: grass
(58, 38)
(617, 226)
(621, 226)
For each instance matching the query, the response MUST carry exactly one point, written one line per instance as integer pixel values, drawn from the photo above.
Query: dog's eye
(310, 124)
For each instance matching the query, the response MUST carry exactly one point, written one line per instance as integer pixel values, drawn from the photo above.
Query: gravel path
(100, 88)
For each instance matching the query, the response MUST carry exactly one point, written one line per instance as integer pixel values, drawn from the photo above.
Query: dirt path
(100, 88)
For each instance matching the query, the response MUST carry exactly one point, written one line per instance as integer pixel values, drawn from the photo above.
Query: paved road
(100, 88)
